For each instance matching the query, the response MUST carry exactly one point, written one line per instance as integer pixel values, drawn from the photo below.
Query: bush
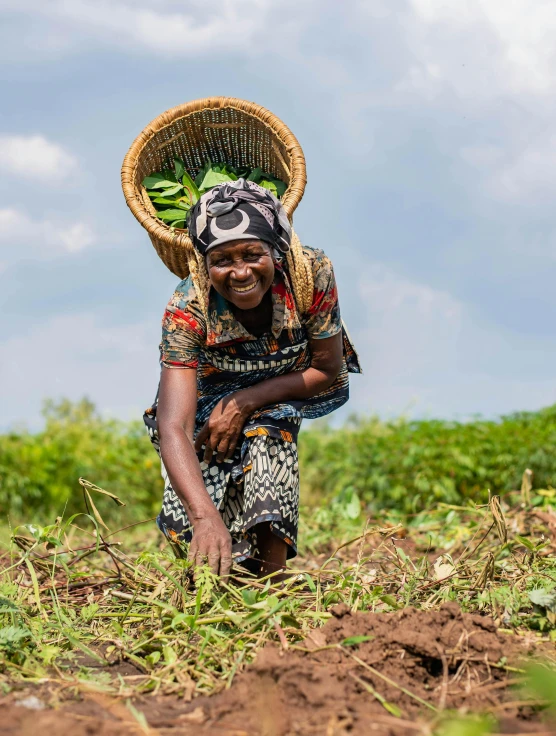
(410, 465)
(415, 464)
(39, 472)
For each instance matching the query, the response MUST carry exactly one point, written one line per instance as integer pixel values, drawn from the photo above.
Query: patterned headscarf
(238, 210)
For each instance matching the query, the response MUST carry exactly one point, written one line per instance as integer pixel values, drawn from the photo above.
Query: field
(420, 603)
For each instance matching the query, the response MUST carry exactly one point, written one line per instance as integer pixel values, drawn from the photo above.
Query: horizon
(427, 134)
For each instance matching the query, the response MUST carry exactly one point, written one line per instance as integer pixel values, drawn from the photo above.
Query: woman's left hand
(221, 431)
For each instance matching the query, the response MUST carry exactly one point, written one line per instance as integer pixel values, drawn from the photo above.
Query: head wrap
(238, 210)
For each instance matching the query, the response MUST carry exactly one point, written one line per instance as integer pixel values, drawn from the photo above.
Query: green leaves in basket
(191, 188)
(164, 184)
(174, 189)
(179, 168)
(170, 215)
(173, 193)
(255, 175)
(276, 186)
(175, 202)
(203, 172)
(217, 175)
(150, 182)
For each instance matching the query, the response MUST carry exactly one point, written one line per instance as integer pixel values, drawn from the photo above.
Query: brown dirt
(449, 659)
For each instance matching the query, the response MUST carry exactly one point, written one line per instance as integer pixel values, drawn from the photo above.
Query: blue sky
(429, 136)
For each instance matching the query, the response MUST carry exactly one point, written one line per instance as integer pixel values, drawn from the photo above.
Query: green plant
(174, 192)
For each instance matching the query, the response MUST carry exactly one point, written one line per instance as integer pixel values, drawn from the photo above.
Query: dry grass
(117, 612)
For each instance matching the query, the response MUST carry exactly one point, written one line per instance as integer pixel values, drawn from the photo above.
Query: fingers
(225, 563)
(209, 439)
(201, 437)
(222, 451)
(209, 450)
(219, 434)
(192, 553)
(214, 561)
(232, 442)
(218, 556)
(216, 444)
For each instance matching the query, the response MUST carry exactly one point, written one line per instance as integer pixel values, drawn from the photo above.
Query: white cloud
(483, 46)
(513, 173)
(406, 320)
(80, 356)
(203, 27)
(39, 239)
(423, 350)
(76, 237)
(35, 157)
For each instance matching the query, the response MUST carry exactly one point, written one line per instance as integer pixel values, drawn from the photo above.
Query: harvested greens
(173, 193)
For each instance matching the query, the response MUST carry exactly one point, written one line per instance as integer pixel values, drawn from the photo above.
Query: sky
(428, 129)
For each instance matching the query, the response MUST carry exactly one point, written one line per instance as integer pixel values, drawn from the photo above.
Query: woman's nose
(241, 271)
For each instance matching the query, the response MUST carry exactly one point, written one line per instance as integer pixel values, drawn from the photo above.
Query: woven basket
(224, 129)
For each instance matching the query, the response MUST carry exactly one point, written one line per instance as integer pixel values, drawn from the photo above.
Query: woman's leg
(273, 551)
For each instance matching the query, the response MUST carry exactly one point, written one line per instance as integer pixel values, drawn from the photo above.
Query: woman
(252, 342)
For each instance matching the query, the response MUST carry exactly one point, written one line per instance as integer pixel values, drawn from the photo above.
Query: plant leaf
(84, 648)
(163, 184)
(94, 509)
(157, 199)
(443, 567)
(190, 185)
(173, 190)
(352, 641)
(544, 599)
(390, 601)
(213, 178)
(170, 656)
(179, 168)
(255, 175)
(542, 681)
(172, 214)
(269, 185)
(91, 487)
(276, 186)
(150, 181)
(525, 542)
(352, 509)
(202, 173)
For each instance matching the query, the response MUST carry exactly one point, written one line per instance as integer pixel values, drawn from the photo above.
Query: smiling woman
(242, 365)
(242, 272)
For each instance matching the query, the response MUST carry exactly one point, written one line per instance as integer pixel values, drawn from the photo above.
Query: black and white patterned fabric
(259, 484)
(238, 210)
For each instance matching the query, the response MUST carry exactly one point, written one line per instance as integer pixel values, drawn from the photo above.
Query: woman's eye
(252, 256)
(220, 263)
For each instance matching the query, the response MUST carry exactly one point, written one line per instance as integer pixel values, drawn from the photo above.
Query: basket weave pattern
(224, 129)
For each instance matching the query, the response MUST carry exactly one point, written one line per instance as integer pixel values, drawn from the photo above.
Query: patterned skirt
(259, 484)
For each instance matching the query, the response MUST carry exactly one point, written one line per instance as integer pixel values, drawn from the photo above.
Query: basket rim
(132, 194)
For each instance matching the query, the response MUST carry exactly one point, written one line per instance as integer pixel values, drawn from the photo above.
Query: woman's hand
(221, 431)
(211, 544)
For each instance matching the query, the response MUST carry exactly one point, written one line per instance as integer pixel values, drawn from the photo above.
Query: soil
(452, 660)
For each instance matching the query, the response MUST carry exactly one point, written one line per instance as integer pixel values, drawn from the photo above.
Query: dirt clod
(340, 610)
(331, 684)
(445, 657)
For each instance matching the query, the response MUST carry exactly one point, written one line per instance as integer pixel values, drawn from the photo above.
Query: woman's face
(241, 271)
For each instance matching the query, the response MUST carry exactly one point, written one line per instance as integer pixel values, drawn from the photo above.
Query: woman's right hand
(212, 545)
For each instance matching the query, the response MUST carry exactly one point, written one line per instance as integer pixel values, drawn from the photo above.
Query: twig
(281, 635)
(445, 673)
(387, 679)
(381, 699)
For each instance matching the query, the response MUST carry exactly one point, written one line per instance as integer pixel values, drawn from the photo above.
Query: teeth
(241, 290)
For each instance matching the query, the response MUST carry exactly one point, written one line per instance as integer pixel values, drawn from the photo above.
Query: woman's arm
(221, 432)
(177, 405)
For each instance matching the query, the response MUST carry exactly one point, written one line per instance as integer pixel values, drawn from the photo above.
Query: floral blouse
(228, 358)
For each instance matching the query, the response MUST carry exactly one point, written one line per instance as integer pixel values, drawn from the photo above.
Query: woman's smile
(241, 271)
(243, 289)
